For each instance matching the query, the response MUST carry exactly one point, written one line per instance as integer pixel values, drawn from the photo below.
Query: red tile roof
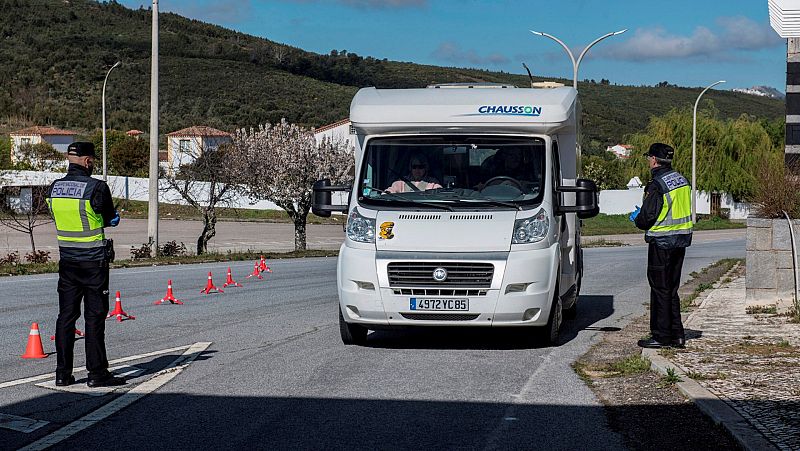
(38, 130)
(199, 130)
(134, 132)
(330, 126)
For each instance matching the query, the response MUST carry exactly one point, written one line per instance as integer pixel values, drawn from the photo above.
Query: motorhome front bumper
(485, 289)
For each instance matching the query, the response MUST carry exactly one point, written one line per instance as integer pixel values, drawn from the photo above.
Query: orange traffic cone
(118, 312)
(169, 296)
(230, 281)
(210, 286)
(34, 349)
(78, 333)
(256, 272)
(262, 266)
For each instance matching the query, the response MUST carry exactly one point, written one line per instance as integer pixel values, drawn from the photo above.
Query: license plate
(439, 305)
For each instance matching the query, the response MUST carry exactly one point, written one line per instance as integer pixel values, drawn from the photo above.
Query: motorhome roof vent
(547, 84)
(470, 85)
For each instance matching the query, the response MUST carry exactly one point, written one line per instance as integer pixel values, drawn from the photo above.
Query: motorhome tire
(352, 334)
(571, 299)
(548, 335)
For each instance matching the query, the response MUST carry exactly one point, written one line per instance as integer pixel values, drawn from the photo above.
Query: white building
(339, 131)
(184, 146)
(59, 139)
(620, 150)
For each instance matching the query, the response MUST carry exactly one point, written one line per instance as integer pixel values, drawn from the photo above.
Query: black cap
(660, 151)
(81, 149)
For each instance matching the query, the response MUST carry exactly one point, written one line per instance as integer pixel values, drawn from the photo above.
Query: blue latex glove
(115, 221)
(635, 213)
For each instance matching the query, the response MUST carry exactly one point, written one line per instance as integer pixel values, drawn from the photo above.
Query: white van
(464, 210)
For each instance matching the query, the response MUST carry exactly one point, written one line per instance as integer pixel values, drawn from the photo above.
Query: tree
(39, 157)
(729, 153)
(114, 138)
(130, 157)
(281, 162)
(205, 183)
(22, 209)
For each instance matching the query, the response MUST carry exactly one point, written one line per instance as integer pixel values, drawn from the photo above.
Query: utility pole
(152, 206)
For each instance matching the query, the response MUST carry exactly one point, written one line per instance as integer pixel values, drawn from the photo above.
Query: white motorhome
(464, 210)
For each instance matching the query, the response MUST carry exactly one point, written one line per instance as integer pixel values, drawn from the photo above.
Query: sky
(684, 42)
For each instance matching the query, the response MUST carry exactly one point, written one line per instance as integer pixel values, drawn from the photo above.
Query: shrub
(37, 257)
(172, 249)
(777, 190)
(143, 252)
(12, 258)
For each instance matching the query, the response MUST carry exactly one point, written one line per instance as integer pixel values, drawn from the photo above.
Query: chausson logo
(510, 110)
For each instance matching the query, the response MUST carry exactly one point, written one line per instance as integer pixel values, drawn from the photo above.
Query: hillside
(55, 54)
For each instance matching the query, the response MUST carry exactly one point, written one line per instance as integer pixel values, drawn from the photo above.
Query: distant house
(620, 150)
(337, 131)
(184, 146)
(59, 139)
(134, 133)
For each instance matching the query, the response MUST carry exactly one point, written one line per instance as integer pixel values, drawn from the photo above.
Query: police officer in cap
(82, 206)
(666, 216)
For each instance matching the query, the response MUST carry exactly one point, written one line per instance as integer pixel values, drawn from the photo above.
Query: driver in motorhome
(506, 162)
(418, 176)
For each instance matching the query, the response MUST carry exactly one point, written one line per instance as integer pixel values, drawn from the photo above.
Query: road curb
(716, 409)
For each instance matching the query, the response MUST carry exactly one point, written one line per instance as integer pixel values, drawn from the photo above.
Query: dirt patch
(645, 409)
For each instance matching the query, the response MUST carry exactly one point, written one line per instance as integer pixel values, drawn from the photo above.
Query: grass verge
(619, 224)
(134, 209)
(52, 267)
(602, 242)
(703, 280)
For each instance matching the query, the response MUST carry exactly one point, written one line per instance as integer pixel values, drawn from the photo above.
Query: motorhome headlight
(531, 230)
(359, 228)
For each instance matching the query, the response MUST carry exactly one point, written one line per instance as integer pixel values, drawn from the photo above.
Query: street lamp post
(576, 63)
(105, 168)
(152, 205)
(694, 150)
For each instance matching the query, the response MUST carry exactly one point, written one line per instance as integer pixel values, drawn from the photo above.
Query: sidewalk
(637, 239)
(751, 362)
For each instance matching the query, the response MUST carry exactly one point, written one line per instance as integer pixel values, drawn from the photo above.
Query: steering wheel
(504, 178)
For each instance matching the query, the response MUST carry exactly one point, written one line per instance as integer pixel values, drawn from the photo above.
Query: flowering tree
(281, 162)
(205, 182)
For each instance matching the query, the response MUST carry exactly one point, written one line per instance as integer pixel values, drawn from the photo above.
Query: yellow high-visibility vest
(675, 217)
(78, 226)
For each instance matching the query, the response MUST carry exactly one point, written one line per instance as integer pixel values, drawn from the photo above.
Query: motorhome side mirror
(321, 205)
(587, 199)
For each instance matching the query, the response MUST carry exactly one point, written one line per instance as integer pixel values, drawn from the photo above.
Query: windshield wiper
(412, 201)
(498, 203)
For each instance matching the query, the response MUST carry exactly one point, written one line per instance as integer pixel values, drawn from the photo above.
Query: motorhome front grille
(420, 274)
(470, 217)
(420, 217)
(437, 292)
(441, 316)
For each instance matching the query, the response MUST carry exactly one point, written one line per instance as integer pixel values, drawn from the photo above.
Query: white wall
(624, 201)
(340, 133)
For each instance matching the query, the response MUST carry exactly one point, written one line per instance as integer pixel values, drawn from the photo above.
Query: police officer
(81, 207)
(666, 215)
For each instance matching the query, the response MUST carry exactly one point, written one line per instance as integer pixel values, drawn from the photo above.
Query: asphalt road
(277, 376)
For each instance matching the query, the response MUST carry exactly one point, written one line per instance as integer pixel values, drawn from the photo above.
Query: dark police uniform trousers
(664, 274)
(87, 282)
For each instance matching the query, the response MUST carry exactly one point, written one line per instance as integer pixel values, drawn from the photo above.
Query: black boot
(106, 381)
(652, 343)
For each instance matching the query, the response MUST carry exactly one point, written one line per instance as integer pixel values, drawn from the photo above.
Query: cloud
(737, 34)
(452, 53)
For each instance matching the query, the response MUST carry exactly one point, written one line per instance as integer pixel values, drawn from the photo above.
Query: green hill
(54, 56)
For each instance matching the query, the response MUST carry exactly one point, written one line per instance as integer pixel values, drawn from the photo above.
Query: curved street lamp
(694, 149)
(104, 119)
(576, 63)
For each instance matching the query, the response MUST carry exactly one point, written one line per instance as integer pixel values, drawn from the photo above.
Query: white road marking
(42, 377)
(82, 389)
(124, 400)
(20, 424)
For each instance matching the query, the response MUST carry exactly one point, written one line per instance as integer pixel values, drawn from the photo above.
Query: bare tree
(22, 209)
(205, 181)
(281, 162)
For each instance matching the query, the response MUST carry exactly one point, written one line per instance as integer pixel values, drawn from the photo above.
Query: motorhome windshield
(449, 172)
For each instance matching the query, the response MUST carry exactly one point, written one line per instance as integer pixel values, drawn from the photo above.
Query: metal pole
(152, 206)
(105, 167)
(694, 150)
(577, 63)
